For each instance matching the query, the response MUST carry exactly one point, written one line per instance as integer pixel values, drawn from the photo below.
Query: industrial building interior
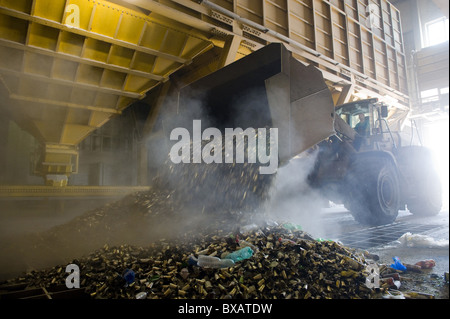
(88, 91)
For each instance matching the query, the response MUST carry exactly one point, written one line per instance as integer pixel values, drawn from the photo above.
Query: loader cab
(368, 119)
(356, 112)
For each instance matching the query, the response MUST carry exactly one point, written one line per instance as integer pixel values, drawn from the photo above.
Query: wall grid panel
(364, 35)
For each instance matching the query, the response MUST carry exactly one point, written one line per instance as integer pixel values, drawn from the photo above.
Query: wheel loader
(369, 171)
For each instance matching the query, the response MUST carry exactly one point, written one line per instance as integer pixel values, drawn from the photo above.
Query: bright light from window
(433, 95)
(436, 31)
(438, 141)
(429, 95)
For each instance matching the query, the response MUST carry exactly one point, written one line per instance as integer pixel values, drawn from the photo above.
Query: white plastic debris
(421, 241)
(393, 295)
(248, 228)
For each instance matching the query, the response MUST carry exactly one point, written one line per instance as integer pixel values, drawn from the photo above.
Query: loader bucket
(267, 89)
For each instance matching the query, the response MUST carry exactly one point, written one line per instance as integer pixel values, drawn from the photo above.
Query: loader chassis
(372, 173)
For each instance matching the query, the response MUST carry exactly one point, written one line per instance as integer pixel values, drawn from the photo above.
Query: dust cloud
(24, 225)
(292, 200)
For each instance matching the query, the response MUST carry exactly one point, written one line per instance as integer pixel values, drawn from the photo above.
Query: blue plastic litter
(192, 261)
(397, 264)
(129, 276)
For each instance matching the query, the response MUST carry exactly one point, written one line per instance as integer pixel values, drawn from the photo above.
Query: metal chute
(267, 89)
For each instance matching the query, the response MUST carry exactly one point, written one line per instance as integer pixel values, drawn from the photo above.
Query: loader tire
(422, 185)
(375, 195)
(429, 199)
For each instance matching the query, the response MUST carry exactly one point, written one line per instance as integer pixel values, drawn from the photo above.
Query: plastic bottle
(291, 226)
(192, 261)
(248, 228)
(393, 295)
(320, 240)
(240, 254)
(214, 262)
(271, 223)
(243, 243)
(426, 264)
(141, 295)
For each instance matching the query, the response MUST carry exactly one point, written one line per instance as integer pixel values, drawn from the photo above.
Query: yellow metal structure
(68, 66)
(67, 192)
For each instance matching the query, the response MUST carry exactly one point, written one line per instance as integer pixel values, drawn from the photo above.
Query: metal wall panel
(364, 35)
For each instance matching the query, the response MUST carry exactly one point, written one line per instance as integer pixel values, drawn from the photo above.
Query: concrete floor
(417, 251)
(430, 281)
(340, 217)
